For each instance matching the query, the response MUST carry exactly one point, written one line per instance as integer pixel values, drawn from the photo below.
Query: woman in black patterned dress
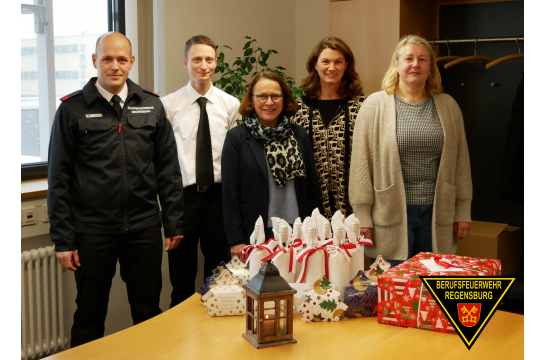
(328, 112)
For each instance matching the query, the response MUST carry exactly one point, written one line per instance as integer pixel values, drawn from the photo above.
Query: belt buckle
(200, 189)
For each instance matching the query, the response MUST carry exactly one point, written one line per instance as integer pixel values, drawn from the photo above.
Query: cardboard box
(493, 241)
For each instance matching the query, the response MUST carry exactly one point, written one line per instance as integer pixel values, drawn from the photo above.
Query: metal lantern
(269, 309)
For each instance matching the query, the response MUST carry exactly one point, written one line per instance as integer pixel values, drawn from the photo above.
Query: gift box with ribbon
(211, 280)
(404, 301)
(361, 297)
(239, 270)
(322, 303)
(223, 295)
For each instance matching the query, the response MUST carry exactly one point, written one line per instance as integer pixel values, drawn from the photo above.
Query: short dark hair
(110, 33)
(350, 83)
(289, 105)
(199, 39)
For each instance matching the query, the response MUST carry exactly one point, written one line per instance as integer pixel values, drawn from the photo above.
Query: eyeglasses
(263, 98)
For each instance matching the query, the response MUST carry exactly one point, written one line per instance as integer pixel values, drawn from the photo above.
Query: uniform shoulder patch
(66, 97)
(150, 92)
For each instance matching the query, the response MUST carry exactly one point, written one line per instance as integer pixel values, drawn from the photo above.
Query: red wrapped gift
(404, 301)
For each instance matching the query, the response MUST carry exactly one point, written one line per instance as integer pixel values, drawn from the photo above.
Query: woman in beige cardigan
(410, 179)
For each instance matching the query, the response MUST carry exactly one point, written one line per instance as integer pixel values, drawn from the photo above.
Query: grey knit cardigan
(376, 189)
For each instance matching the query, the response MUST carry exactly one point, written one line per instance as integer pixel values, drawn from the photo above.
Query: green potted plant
(234, 76)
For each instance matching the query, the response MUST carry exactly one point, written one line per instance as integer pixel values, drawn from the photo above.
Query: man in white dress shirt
(201, 115)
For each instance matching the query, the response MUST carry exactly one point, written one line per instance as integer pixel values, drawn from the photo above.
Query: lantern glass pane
(282, 327)
(255, 309)
(282, 308)
(269, 313)
(270, 305)
(269, 325)
(255, 326)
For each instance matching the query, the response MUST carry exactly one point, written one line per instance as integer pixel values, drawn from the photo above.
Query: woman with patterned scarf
(328, 112)
(267, 166)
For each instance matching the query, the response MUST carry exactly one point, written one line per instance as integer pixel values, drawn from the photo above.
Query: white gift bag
(352, 225)
(284, 257)
(297, 242)
(339, 258)
(311, 258)
(258, 248)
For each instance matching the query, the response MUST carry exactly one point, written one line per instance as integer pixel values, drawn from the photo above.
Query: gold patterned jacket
(330, 153)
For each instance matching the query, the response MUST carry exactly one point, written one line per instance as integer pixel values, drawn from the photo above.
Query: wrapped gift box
(239, 270)
(300, 297)
(361, 297)
(225, 295)
(211, 280)
(322, 302)
(404, 301)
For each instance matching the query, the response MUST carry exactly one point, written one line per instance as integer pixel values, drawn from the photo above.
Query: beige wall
(311, 26)
(290, 27)
(227, 22)
(371, 29)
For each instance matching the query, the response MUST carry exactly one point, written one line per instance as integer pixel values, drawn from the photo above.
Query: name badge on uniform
(93, 115)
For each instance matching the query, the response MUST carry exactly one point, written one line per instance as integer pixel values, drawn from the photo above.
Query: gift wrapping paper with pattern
(226, 297)
(322, 303)
(404, 301)
(361, 297)
(239, 270)
(211, 280)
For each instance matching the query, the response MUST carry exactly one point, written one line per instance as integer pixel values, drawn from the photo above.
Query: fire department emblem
(469, 314)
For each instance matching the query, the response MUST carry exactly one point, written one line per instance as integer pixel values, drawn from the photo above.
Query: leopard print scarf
(283, 154)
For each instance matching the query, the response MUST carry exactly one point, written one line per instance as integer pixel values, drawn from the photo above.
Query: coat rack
(492, 61)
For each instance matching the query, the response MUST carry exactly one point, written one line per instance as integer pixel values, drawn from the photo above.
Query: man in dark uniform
(112, 152)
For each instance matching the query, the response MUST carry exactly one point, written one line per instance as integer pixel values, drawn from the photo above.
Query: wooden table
(186, 332)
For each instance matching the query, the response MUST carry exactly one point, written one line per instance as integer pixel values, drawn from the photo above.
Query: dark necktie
(115, 100)
(204, 168)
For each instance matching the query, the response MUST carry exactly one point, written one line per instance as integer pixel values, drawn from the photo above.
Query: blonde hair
(391, 78)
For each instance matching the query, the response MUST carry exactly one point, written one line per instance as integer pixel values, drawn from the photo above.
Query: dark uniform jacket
(245, 182)
(105, 173)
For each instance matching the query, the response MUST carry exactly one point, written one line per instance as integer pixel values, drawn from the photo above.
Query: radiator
(42, 323)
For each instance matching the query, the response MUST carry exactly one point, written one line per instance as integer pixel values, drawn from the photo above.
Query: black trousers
(140, 257)
(203, 219)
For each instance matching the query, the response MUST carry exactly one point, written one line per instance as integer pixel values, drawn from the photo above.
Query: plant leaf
(281, 68)
(248, 52)
(247, 37)
(262, 63)
(252, 60)
(228, 47)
